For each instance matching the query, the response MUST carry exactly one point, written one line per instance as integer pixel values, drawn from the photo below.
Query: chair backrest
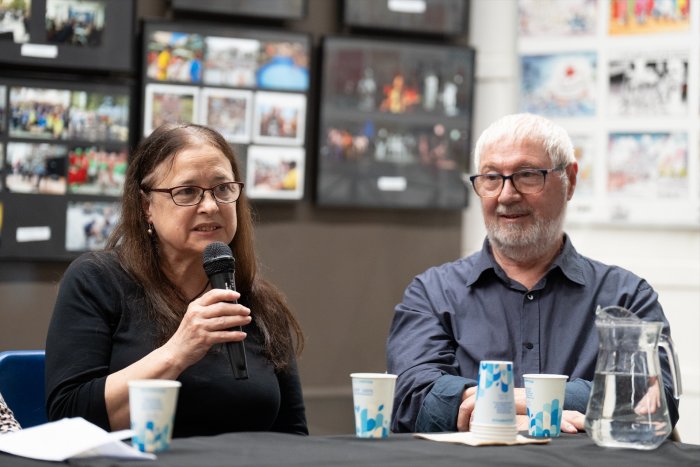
(22, 385)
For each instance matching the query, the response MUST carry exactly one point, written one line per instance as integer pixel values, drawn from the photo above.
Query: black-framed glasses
(191, 195)
(526, 181)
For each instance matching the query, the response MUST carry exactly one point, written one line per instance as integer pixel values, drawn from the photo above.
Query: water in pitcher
(626, 411)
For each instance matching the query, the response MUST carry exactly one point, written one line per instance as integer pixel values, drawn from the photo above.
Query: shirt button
(528, 345)
(530, 296)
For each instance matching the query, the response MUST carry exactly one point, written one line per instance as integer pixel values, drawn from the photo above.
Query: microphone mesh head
(217, 257)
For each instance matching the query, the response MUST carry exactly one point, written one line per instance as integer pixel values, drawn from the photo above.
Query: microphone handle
(235, 350)
(236, 356)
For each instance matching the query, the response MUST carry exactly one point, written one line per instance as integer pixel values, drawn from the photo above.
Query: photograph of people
(175, 56)
(279, 118)
(167, 103)
(36, 168)
(75, 22)
(144, 308)
(14, 20)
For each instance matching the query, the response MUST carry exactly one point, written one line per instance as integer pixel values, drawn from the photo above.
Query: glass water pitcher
(627, 406)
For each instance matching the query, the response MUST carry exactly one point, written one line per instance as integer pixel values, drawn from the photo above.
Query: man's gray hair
(522, 127)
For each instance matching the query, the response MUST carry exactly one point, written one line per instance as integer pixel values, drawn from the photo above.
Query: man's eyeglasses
(526, 182)
(191, 195)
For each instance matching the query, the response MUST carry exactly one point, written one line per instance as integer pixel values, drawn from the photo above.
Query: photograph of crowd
(75, 22)
(228, 111)
(279, 118)
(96, 171)
(39, 112)
(433, 146)
(169, 104)
(88, 224)
(371, 76)
(648, 16)
(648, 165)
(275, 172)
(36, 168)
(97, 116)
(648, 84)
(175, 56)
(240, 62)
(64, 114)
(230, 61)
(559, 85)
(283, 65)
(14, 20)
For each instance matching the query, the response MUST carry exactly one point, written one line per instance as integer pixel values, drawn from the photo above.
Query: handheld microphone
(220, 267)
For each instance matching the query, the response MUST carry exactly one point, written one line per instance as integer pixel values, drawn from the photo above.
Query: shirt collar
(568, 261)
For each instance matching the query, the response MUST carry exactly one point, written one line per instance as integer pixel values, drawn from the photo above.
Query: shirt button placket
(531, 361)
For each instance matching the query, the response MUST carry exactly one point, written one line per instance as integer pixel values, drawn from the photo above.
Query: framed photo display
(64, 148)
(621, 77)
(250, 85)
(395, 124)
(440, 17)
(274, 9)
(92, 35)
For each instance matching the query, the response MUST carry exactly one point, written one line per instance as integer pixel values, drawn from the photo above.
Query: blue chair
(22, 385)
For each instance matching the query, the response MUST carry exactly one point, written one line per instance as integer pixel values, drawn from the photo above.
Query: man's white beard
(527, 243)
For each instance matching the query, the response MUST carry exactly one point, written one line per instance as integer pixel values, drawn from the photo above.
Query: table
(277, 449)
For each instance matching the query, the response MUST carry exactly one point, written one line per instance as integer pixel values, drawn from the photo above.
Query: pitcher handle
(667, 344)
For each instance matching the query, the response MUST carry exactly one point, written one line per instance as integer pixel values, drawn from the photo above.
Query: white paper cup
(545, 403)
(152, 409)
(373, 397)
(494, 411)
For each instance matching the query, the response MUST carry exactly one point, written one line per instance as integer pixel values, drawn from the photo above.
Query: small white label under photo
(392, 183)
(39, 51)
(33, 234)
(407, 6)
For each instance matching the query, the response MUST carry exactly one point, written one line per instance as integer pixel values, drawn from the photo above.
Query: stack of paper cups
(494, 412)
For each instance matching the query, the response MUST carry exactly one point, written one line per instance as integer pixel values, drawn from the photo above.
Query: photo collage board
(394, 126)
(622, 77)
(64, 138)
(85, 35)
(63, 154)
(250, 85)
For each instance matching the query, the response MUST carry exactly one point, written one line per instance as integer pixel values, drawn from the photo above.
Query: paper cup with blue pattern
(494, 410)
(544, 395)
(152, 405)
(373, 397)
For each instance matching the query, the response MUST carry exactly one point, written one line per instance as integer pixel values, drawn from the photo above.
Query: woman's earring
(150, 230)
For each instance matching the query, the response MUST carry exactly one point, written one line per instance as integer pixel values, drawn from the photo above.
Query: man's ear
(571, 172)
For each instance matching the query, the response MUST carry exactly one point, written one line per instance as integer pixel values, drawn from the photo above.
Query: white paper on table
(67, 438)
(468, 438)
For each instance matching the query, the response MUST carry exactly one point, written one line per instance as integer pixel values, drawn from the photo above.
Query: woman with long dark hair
(144, 308)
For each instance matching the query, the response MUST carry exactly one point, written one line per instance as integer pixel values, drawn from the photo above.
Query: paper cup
(494, 411)
(152, 408)
(545, 403)
(373, 396)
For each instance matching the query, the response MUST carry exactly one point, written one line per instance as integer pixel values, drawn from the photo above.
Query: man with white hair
(527, 296)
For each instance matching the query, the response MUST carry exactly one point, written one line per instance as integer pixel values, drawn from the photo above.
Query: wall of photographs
(395, 120)
(395, 111)
(64, 149)
(622, 77)
(250, 85)
(64, 138)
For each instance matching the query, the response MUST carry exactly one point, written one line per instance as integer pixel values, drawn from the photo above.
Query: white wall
(668, 259)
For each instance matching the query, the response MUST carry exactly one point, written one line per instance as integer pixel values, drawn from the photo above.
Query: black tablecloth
(275, 449)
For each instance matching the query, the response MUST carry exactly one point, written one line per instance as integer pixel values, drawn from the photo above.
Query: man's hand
(466, 409)
(571, 420)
